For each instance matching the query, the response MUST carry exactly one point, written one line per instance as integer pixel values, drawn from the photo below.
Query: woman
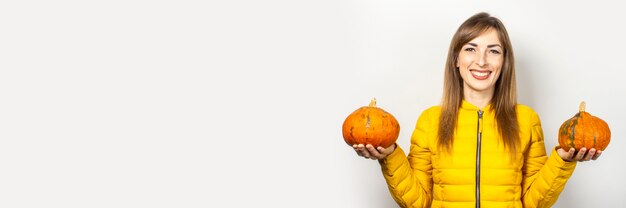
(479, 148)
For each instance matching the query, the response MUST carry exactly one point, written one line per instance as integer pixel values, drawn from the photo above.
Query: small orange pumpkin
(371, 125)
(584, 130)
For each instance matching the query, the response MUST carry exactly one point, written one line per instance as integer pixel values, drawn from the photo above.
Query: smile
(480, 74)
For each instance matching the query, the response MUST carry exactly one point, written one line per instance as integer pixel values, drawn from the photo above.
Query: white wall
(240, 103)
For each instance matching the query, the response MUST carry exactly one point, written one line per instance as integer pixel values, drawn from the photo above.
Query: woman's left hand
(581, 156)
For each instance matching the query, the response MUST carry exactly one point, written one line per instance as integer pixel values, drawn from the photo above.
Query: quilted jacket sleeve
(544, 177)
(409, 179)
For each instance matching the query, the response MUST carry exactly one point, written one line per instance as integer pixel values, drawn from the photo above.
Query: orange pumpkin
(584, 130)
(371, 125)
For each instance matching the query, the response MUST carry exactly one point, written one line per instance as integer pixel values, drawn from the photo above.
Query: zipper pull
(480, 121)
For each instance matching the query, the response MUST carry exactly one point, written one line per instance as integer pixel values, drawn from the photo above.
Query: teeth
(480, 74)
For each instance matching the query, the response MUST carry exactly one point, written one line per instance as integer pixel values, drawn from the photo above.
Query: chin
(481, 87)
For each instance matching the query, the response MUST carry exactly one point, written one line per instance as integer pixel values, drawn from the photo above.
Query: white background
(240, 103)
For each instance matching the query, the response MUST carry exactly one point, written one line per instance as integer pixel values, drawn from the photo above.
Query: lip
(480, 74)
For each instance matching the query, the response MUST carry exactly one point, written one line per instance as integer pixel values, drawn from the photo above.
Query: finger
(358, 152)
(373, 151)
(581, 154)
(364, 151)
(570, 154)
(383, 151)
(358, 149)
(595, 157)
(387, 150)
(589, 154)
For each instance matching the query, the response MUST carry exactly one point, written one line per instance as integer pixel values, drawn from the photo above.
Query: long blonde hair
(505, 97)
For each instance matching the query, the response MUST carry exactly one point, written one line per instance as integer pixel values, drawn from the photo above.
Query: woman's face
(480, 63)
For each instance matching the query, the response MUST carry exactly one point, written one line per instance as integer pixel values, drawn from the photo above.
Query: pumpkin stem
(582, 106)
(373, 102)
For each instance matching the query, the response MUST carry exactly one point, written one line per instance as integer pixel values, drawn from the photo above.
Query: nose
(482, 60)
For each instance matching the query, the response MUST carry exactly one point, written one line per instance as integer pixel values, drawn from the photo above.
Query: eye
(495, 51)
(470, 49)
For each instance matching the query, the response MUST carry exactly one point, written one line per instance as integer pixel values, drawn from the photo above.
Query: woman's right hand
(368, 151)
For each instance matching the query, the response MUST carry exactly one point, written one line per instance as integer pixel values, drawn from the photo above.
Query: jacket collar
(468, 106)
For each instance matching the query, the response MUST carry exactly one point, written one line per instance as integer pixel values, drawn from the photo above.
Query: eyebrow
(488, 46)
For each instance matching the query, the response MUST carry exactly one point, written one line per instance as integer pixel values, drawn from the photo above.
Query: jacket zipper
(479, 131)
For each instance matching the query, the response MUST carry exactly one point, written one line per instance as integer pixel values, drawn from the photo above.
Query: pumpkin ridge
(351, 135)
(583, 126)
(367, 127)
(572, 136)
(593, 126)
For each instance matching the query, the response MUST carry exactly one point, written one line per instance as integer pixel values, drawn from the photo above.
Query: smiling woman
(482, 60)
(479, 148)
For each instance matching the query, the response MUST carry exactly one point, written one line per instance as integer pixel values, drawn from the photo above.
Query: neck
(479, 99)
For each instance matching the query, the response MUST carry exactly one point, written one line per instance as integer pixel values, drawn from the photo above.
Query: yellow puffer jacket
(430, 178)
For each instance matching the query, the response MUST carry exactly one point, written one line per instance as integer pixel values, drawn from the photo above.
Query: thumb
(388, 150)
(566, 155)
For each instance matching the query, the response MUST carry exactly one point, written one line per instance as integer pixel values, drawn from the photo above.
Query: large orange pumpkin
(584, 130)
(371, 125)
